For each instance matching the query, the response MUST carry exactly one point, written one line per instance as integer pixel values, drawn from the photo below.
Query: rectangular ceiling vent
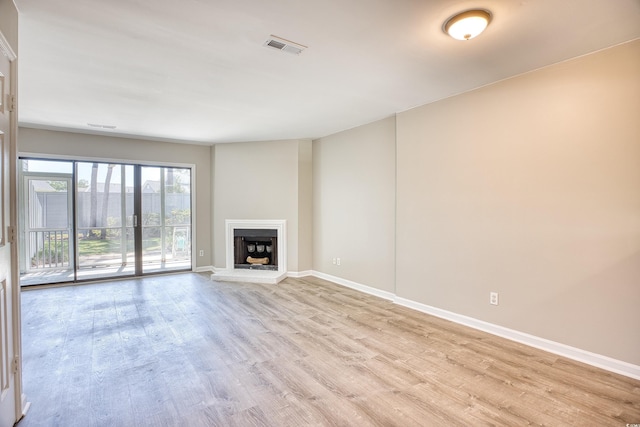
(284, 45)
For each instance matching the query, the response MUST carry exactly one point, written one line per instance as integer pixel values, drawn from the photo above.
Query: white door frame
(25, 228)
(21, 404)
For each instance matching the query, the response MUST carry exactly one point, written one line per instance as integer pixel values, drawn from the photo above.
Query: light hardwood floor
(181, 350)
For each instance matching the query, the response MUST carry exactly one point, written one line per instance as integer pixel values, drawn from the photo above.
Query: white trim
(278, 224)
(577, 354)
(560, 349)
(232, 274)
(297, 274)
(204, 269)
(193, 212)
(5, 49)
(21, 403)
(357, 286)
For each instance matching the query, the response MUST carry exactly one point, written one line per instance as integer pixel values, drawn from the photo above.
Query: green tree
(58, 185)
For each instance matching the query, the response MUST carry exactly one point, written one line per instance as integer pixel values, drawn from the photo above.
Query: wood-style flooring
(181, 350)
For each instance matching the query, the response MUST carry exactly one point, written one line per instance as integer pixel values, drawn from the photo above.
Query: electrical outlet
(201, 253)
(334, 261)
(338, 261)
(493, 298)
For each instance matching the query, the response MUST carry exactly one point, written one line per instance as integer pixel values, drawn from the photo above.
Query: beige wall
(354, 204)
(75, 145)
(264, 180)
(305, 206)
(530, 188)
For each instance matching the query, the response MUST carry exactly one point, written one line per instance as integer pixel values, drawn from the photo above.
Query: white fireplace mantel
(232, 274)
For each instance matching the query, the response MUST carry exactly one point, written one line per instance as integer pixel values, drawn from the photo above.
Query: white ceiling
(197, 71)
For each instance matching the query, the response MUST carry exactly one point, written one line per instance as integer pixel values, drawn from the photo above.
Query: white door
(8, 369)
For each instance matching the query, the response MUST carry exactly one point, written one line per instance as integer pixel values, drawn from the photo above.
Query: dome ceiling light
(467, 25)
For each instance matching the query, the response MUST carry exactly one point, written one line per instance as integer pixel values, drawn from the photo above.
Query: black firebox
(255, 248)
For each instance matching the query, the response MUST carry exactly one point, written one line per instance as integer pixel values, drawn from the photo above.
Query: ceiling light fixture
(467, 25)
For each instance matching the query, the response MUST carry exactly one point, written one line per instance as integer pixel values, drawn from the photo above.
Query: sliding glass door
(89, 220)
(104, 226)
(166, 219)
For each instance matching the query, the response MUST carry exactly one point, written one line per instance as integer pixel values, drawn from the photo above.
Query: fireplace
(256, 251)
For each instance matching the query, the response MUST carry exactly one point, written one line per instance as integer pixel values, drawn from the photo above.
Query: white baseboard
(593, 359)
(564, 350)
(203, 269)
(297, 274)
(357, 286)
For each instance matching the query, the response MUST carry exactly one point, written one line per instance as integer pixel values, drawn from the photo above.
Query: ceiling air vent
(96, 125)
(284, 45)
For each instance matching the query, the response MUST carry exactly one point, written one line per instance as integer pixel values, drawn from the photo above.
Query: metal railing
(49, 249)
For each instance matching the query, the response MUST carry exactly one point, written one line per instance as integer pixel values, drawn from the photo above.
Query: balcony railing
(100, 247)
(49, 249)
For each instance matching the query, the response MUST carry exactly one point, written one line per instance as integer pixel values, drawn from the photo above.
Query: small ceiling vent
(284, 45)
(96, 125)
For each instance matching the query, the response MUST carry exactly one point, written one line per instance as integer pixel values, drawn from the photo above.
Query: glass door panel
(45, 222)
(166, 219)
(177, 224)
(104, 206)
